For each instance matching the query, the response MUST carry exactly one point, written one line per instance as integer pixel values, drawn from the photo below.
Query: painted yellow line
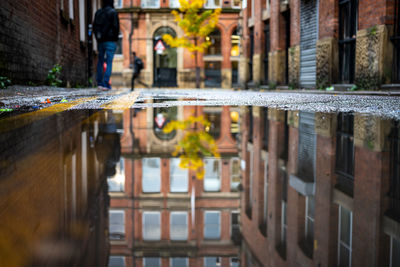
(123, 102)
(8, 124)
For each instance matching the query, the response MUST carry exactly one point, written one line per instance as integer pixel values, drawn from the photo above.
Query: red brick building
(320, 189)
(143, 22)
(316, 44)
(37, 35)
(160, 214)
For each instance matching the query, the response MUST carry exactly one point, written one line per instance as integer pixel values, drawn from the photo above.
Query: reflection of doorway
(165, 59)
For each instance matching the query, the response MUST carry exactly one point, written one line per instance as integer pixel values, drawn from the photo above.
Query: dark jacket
(108, 26)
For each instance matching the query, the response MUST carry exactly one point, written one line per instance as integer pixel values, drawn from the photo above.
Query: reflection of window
(236, 3)
(235, 38)
(235, 174)
(215, 123)
(117, 224)
(178, 262)
(212, 4)
(394, 252)
(162, 116)
(212, 227)
(174, 4)
(151, 175)
(212, 72)
(151, 262)
(235, 224)
(234, 123)
(212, 261)
(179, 176)
(215, 39)
(118, 51)
(234, 262)
(150, 3)
(212, 175)
(179, 226)
(116, 261)
(116, 183)
(345, 236)
(310, 207)
(151, 226)
(117, 3)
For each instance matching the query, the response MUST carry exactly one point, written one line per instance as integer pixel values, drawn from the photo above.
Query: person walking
(106, 31)
(137, 67)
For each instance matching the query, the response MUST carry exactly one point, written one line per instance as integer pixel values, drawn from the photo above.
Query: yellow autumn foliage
(195, 144)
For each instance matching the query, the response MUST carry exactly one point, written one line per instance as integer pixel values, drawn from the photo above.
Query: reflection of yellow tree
(195, 144)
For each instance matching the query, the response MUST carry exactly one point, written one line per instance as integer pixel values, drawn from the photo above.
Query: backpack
(100, 24)
(139, 64)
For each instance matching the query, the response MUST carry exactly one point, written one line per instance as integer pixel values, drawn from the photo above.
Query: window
(118, 51)
(116, 183)
(234, 262)
(212, 72)
(179, 177)
(174, 4)
(265, 128)
(150, 3)
(394, 252)
(251, 52)
(345, 152)
(283, 175)
(267, 4)
(214, 117)
(235, 39)
(151, 262)
(215, 39)
(309, 225)
(212, 4)
(347, 39)
(345, 236)
(82, 21)
(151, 175)
(212, 227)
(118, 3)
(307, 146)
(234, 123)
(151, 226)
(117, 224)
(71, 9)
(267, 49)
(212, 261)
(283, 222)
(116, 261)
(235, 174)
(235, 226)
(250, 125)
(236, 3)
(212, 175)
(179, 262)
(163, 115)
(178, 226)
(394, 191)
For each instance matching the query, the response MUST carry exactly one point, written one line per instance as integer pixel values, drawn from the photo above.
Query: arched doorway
(165, 59)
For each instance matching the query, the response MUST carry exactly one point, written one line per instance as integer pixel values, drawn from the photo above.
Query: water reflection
(290, 188)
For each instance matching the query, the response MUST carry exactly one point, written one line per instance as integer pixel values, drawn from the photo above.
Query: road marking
(8, 124)
(123, 102)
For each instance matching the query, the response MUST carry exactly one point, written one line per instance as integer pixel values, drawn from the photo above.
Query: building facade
(142, 25)
(35, 36)
(160, 214)
(319, 189)
(317, 44)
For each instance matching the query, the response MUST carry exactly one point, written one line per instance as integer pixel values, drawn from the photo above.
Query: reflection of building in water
(319, 189)
(53, 196)
(153, 221)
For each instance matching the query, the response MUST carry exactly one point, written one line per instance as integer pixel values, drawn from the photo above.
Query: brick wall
(34, 37)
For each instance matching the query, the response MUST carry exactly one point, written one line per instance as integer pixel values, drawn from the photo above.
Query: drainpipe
(130, 37)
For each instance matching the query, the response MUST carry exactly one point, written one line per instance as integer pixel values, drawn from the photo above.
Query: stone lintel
(256, 111)
(276, 114)
(304, 187)
(371, 132)
(391, 227)
(343, 199)
(325, 124)
(293, 118)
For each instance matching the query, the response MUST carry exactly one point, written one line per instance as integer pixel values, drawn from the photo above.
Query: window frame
(143, 225)
(205, 225)
(143, 176)
(348, 247)
(117, 211)
(218, 177)
(144, 261)
(179, 181)
(144, 4)
(187, 225)
(234, 176)
(171, 259)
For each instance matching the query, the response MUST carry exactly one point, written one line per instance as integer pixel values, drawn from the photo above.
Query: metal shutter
(308, 39)
(307, 146)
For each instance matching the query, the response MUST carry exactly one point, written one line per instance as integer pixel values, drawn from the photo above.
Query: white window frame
(206, 188)
(179, 190)
(186, 261)
(213, 5)
(186, 225)
(251, 180)
(219, 225)
(145, 4)
(156, 190)
(233, 5)
(71, 9)
(349, 248)
(283, 222)
(143, 225)
(308, 216)
(123, 220)
(174, 4)
(118, 3)
(82, 21)
(265, 212)
(144, 261)
(234, 176)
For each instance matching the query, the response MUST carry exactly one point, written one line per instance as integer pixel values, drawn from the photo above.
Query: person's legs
(100, 62)
(134, 75)
(110, 50)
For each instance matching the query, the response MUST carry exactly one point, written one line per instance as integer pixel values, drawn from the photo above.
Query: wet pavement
(120, 178)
